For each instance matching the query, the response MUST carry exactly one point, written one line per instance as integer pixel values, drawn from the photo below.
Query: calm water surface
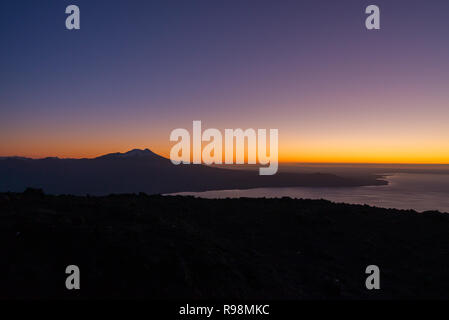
(420, 192)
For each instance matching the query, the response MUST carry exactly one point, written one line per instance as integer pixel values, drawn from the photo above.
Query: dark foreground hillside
(181, 247)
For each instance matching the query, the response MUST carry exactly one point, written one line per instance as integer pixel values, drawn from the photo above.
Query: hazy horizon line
(245, 164)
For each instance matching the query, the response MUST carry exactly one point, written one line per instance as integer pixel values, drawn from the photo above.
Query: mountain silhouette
(146, 153)
(144, 171)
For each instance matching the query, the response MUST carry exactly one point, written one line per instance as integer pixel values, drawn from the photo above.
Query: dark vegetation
(161, 247)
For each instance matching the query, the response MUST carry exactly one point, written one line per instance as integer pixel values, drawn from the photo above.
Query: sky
(136, 70)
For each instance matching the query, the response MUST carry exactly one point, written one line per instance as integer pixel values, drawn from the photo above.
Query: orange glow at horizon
(340, 95)
(300, 142)
(287, 154)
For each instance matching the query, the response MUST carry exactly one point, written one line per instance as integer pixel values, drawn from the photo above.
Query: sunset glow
(335, 91)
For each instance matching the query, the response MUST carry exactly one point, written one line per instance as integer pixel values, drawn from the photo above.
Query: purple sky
(138, 69)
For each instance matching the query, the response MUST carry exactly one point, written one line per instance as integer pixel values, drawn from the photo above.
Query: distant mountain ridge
(15, 157)
(132, 153)
(144, 171)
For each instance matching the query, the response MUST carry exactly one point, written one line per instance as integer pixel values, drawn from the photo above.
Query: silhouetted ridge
(144, 171)
(135, 153)
(14, 158)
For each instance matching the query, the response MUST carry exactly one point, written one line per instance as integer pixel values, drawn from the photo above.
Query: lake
(421, 192)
